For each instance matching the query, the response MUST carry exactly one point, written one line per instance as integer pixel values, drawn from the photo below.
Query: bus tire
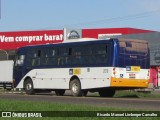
(106, 92)
(59, 92)
(75, 87)
(28, 87)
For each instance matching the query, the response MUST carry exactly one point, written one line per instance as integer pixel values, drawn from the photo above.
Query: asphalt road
(134, 103)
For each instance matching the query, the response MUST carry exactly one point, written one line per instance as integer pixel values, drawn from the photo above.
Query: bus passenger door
(18, 68)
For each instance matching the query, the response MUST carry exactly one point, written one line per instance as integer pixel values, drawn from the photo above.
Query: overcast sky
(21, 15)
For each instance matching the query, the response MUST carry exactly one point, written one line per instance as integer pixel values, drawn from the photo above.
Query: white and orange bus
(102, 66)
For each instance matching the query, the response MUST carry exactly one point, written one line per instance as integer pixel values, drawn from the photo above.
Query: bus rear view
(131, 64)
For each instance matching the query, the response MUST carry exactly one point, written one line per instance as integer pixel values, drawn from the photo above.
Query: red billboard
(14, 40)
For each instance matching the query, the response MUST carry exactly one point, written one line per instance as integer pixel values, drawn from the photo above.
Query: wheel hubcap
(28, 86)
(75, 88)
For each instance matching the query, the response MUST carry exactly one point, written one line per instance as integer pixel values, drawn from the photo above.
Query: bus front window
(19, 60)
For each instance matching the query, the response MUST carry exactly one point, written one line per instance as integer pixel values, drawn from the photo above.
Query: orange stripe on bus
(124, 82)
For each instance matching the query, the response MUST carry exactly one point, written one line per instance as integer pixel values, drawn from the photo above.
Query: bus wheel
(106, 92)
(59, 92)
(75, 87)
(28, 87)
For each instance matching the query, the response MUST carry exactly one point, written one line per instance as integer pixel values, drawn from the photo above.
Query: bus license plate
(132, 76)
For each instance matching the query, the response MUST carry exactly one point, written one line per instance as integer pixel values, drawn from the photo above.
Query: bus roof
(68, 41)
(88, 40)
(79, 40)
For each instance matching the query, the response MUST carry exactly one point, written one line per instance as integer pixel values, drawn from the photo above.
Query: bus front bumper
(124, 82)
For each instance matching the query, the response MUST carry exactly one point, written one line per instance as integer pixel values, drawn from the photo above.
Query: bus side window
(78, 56)
(52, 57)
(44, 57)
(99, 54)
(30, 54)
(86, 52)
(63, 55)
(36, 58)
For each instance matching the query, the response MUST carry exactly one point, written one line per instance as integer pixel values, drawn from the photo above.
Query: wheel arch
(26, 78)
(74, 77)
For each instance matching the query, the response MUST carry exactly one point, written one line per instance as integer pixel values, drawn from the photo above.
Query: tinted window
(133, 53)
(99, 49)
(70, 56)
